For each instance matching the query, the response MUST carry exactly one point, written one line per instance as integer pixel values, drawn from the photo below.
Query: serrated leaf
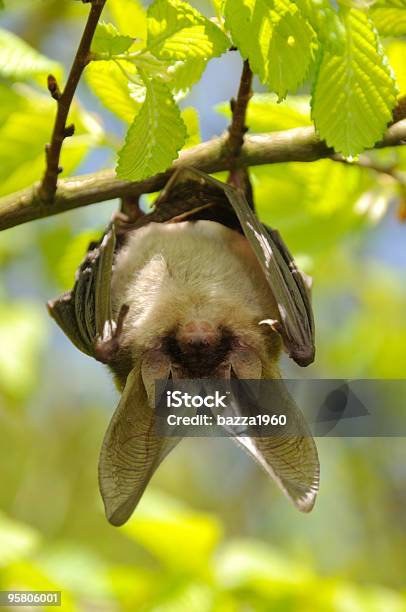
(184, 74)
(289, 54)
(390, 18)
(355, 92)
(325, 22)
(154, 138)
(19, 61)
(108, 41)
(276, 39)
(121, 96)
(178, 31)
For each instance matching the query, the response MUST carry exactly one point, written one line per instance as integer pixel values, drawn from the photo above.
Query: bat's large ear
(289, 456)
(131, 451)
(84, 313)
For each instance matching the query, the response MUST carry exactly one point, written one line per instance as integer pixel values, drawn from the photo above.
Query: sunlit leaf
(190, 117)
(22, 336)
(396, 52)
(325, 21)
(22, 158)
(130, 17)
(176, 535)
(154, 138)
(178, 31)
(117, 93)
(276, 39)
(17, 540)
(247, 563)
(20, 61)
(390, 17)
(355, 91)
(266, 114)
(73, 255)
(108, 41)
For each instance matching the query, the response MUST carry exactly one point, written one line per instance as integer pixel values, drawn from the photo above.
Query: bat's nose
(197, 331)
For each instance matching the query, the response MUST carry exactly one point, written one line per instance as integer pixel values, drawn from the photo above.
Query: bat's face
(196, 296)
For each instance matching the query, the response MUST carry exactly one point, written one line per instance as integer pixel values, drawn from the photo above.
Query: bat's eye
(197, 332)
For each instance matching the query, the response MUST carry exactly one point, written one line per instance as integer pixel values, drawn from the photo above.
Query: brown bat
(197, 289)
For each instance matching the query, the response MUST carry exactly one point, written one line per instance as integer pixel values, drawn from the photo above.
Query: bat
(198, 288)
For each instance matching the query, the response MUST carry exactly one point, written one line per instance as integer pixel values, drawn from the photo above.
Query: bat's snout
(196, 332)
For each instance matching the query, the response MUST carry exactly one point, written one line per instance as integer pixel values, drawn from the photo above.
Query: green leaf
(265, 114)
(276, 39)
(121, 96)
(22, 158)
(20, 61)
(22, 336)
(130, 18)
(244, 563)
(325, 21)
(184, 74)
(396, 52)
(390, 17)
(155, 136)
(176, 535)
(108, 41)
(178, 31)
(17, 541)
(289, 54)
(190, 118)
(355, 92)
(324, 216)
(73, 255)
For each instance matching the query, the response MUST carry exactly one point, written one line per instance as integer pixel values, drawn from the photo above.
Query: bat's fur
(173, 274)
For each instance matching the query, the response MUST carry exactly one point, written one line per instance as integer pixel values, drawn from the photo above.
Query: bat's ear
(131, 451)
(289, 456)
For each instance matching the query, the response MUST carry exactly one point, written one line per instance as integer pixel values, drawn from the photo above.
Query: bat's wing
(131, 451)
(84, 313)
(289, 286)
(296, 325)
(289, 455)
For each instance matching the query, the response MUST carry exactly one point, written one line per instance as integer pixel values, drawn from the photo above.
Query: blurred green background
(212, 532)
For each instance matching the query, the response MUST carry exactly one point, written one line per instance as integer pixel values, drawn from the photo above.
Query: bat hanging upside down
(215, 296)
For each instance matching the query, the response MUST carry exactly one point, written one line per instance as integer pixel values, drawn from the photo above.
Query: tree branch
(364, 161)
(48, 186)
(298, 144)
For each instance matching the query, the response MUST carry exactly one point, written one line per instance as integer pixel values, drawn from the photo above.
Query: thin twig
(237, 128)
(64, 100)
(239, 176)
(364, 161)
(297, 144)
